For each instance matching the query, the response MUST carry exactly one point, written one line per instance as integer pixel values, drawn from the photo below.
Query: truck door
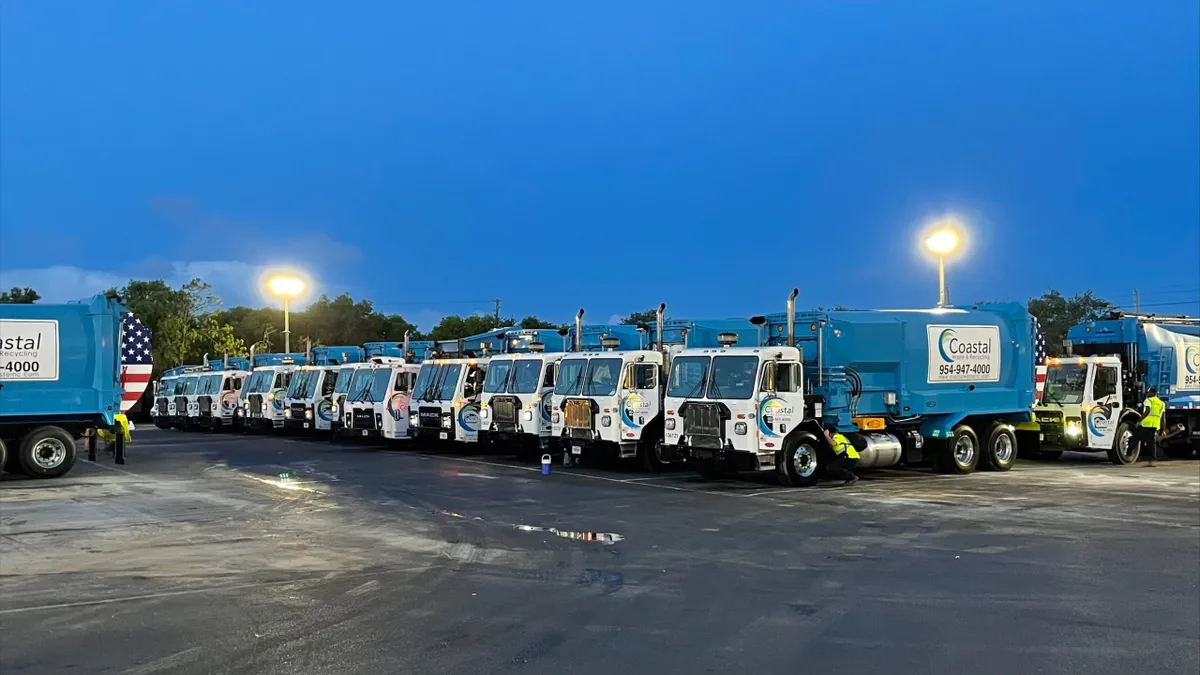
(398, 403)
(1102, 407)
(781, 403)
(640, 398)
(546, 397)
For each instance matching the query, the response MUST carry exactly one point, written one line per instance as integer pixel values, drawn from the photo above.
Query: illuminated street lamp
(942, 242)
(286, 287)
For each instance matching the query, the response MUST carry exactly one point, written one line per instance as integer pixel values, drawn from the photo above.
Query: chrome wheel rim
(1004, 449)
(804, 461)
(964, 450)
(49, 453)
(1123, 444)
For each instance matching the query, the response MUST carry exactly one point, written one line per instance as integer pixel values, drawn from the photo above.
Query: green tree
(647, 317)
(1057, 313)
(532, 322)
(19, 296)
(453, 326)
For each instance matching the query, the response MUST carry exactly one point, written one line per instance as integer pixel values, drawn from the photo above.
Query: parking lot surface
(258, 554)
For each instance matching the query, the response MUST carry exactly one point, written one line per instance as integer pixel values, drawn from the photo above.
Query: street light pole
(941, 243)
(286, 287)
(941, 286)
(287, 329)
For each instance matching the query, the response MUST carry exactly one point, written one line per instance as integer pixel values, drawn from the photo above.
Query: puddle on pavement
(611, 581)
(606, 538)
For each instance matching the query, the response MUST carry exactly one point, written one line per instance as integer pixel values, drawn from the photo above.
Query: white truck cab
(164, 404)
(308, 401)
(217, 396)
(732, 403)
(185, 391)
(609, 402)
(445, 399)
(261, 403)
(207, 383)
(516, 404)
(377, 404)
(341, 388)
(1082, 409)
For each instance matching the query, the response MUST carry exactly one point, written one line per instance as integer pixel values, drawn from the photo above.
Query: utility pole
(496, 302)
(1135, 302)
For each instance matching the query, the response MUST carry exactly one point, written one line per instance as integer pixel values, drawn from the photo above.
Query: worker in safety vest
(844, 457)
(123, 424)
(1151, 424)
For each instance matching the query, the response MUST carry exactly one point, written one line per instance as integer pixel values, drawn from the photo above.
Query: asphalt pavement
(212, 553)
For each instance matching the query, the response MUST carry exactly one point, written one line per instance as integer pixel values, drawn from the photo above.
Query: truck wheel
(650, 452)
(960, 453)
(1000, 451)
(799, 464)
(47, 452)
(3, 455)
(1124, 449)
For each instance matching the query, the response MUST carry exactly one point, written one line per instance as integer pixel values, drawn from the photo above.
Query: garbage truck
(60, 378)
(945, 386)
(260, 404)
(515, 406)
(1092, 396)
(308, 402)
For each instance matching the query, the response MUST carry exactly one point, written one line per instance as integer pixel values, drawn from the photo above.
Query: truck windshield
(570, 376)
(601, 378)
(732, 377)
(688, 375)
(212, 384)
(527, 374)
(379, 384)
(310, 386)
(260, 381)
(360, 384)
(189, 387)
(1065, 382)
(448, 382)
(296, 388)
(343, 381)
(497, 376)
(423, 389)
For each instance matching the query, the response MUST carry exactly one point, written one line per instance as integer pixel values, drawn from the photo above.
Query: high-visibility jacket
(842, 446)
(122, 422)
(1153, 417)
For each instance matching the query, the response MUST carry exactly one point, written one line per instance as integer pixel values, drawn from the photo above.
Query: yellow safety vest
(122, 422)
(842, 446)
(1154, 412)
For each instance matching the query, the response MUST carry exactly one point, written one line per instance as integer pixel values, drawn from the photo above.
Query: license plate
(576, 450)
(306, 425)
(364, 432)
(443, 435)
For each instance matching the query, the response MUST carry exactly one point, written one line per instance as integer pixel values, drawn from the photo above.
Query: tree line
(190, 321)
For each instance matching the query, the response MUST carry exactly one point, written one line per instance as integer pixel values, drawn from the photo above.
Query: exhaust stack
(579, 331)
(791, 317)
(658, 325)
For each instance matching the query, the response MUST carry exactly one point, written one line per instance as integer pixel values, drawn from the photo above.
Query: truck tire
(1124, 449)
(958, 454)
(3, 455)
(47, 452)
(1000, 450)
(799, 464)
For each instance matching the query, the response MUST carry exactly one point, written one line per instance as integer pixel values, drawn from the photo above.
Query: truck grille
(297, 411)
(181, 405)
(255, 405)
(162, 405)
(429, 417)
(1051, 421)
(504, 409)
(577, 414)
(205, 403)
(702, 419)
(363, 418)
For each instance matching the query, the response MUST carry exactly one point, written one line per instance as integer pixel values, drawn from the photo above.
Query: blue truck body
(231, 363)
(499, 341)
(941, 365)
(279, 359)
(591, 334)
(337, 355)
(704, 333)
(419, 350)
(59, 367)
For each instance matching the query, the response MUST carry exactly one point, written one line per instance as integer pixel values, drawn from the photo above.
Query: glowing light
(942, 241)
(286, 286)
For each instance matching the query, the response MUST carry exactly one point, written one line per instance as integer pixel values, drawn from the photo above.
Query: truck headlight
(527, 415)
(606, 421)
(308, 414)
(670, 424)
(447, 423)
(1073, 428)
(739, 428)
(554, 418)
(484, 414)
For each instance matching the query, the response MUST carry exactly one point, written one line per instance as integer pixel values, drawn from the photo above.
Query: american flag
(136, 361)
(1039, 361)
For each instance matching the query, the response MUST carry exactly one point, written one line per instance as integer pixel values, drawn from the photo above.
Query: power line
(1194, 303)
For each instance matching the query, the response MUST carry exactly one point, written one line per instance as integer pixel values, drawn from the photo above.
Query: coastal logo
(228, 401)
(1191, 359)
(952, 348)
(397, 405)
(1097, 419)
(547, 406)
(277, 399)
(468, 417)
(946, 336)
(325, 411)
(772, 413)
(631, 405)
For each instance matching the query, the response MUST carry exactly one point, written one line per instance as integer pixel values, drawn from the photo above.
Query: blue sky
(431, 156)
